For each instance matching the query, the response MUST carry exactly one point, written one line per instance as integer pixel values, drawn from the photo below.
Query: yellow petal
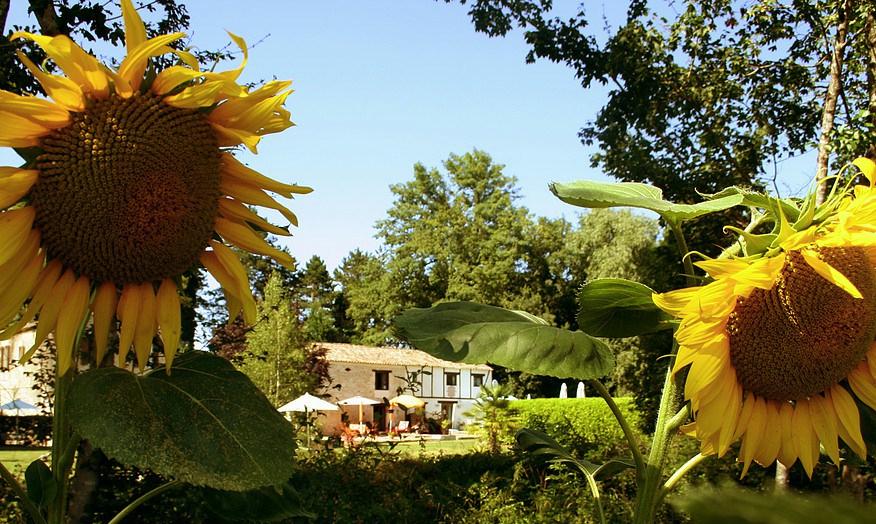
(169, 321)
(135, 30)
(744, 416)
(766, 452)
(754, 433)
(62, 90)
(234, 210)
(134, 65)
(830, 273)
(49, 313)
(728, 427)
(22, 287)
(15, 227)
(229, 284)
(172, 77)
(15, 183)
(46, 113)
(804, 436)
(868, 168)
(70, 321)
(128, 312)
(231, 167)
(849, 426)
(244, 237)
(146, 322)
(198, 96)
(232, 264)
(82, 68)
(105, 302)
(788, 449)
(863, 384)
(251, 194)
(233, 74)
(9, 270)
(824, 422)
(229, 137)
(47, 279)
(721, 268)
(18, 131)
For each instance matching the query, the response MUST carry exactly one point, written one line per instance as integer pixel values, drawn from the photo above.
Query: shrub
(584, 426)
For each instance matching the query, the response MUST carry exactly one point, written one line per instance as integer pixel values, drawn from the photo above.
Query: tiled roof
(388, 356)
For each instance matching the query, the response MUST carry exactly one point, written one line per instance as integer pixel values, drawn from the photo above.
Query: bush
(584, 426)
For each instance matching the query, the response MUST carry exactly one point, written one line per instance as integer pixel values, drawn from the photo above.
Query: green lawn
(16, 460)
(432, 447)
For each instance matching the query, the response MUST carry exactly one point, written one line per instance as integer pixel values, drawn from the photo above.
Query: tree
(317, 292)
(361, 277)
(712, 96)
(277, 354)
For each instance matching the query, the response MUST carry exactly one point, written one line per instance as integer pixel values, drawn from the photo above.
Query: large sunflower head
(130, 183)
(780, 345)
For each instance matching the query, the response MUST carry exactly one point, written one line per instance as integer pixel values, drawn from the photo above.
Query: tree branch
(4, 12)
(50, 25)
(830, 100)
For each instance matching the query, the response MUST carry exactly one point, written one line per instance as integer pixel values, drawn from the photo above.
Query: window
(381, 380)
(477, 380)
(451, 379)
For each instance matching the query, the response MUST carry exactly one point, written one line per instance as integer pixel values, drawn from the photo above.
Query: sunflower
(130, 183)
(780, 347)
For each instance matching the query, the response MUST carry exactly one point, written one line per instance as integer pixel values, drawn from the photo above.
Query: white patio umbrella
(359, 401)
(564, 391)
(18, 405)
(580, 392)
(305, 403)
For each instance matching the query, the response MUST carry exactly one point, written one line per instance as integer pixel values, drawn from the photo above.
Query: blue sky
(381, 85)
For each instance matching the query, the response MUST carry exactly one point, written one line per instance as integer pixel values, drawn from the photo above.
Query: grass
(17, 460)
(433, 447)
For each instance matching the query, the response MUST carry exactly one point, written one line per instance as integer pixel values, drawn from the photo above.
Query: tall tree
(715, 92)
(277, 357)
(317, 292)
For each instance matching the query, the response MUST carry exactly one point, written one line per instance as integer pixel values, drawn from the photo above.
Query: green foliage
(42, 488)
(276, 356)
(208, 423)
(478, 334)
(614, 307)
(538, 443)
(493, 417)
(584, 426)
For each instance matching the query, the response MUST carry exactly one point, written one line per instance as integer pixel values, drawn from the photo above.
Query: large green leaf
(205, 423)
(592, 194)
(731, 505)
(477, 334)
(614, 307)
(42, 488)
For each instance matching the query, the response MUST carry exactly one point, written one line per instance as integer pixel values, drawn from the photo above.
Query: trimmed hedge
(585, 426)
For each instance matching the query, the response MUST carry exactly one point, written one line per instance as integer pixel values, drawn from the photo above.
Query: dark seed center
(805, 334)
(128, 192)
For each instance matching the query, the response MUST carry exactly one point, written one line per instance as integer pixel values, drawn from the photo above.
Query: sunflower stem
(632, 440)
(648, 495)
(64, 440)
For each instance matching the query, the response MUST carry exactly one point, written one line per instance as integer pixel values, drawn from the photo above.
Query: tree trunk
(830, 99)
(44, 11)
(870, 35)
(4, 12)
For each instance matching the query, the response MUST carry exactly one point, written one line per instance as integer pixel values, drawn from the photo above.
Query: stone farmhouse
(380, 373)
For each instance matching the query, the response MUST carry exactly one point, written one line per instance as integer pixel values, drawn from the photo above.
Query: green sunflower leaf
(731, 505)
(205, 423)
(42, 488)
(479, 334)
(592, 194)
(617, 308)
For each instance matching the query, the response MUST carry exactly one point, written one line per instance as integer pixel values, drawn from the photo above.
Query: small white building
(381, 373)
(17, 381)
